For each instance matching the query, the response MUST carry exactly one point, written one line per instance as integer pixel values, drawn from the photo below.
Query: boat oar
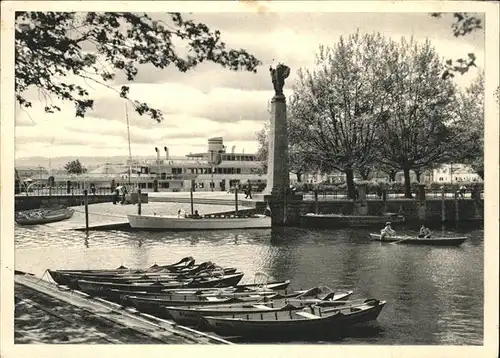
(397, 242)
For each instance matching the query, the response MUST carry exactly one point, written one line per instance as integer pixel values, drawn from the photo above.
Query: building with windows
(213, 170)
(453, 173)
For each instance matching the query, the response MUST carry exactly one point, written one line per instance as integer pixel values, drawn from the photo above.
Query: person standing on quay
(116, 196)
(248, 192)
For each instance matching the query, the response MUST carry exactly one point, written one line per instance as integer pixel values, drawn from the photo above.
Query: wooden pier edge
(146, 324)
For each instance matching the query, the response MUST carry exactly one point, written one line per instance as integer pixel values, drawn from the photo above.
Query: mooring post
(139, 203)
(236, 201)
(422, 206)
(316, 202)
(86, 202)
(191, 199)
(443, 207)
(384, 198)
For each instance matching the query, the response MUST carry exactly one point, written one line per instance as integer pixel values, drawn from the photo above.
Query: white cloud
(209, 100)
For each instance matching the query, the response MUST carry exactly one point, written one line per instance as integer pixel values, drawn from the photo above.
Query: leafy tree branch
(49, 47)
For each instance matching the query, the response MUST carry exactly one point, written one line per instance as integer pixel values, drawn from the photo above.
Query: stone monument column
(278, 175)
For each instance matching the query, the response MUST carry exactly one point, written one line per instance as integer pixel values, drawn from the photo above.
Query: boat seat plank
(262, 307)
(307, 315)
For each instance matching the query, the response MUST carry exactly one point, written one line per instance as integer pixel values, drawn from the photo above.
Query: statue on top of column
(278, 76)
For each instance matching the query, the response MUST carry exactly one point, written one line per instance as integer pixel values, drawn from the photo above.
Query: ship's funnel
(157, 155)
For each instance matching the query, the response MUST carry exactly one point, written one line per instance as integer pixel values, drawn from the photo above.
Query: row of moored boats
(211, 297)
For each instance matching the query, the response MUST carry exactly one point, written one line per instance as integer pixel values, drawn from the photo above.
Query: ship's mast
(129, 149)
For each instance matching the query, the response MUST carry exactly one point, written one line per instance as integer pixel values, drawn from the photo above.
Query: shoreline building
(213, 170)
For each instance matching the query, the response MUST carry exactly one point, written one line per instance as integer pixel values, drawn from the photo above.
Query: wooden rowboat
(118, 295)
(103, 289)
(43, 216)
(70, 278)
(183, 298)
(192, 315)
(411, 240)
(312, 321)
(185, 263)
(157, 306)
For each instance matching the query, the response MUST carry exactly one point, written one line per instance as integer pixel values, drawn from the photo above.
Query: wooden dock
(75, 316)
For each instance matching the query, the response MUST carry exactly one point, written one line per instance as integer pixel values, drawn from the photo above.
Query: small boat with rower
(412, 240)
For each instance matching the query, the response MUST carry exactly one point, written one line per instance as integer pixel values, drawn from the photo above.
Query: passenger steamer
(213, 170)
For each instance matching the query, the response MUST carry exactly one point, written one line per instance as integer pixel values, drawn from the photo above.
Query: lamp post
(212, 170)
(39, 178)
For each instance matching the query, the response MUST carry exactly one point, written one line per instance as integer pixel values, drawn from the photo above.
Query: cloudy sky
(211, 101)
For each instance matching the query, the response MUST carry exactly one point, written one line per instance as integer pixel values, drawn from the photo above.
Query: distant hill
(88, 162)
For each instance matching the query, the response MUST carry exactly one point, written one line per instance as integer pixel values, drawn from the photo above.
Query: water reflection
(434, 295)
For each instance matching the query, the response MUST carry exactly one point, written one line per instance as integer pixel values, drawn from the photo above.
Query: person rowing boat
(387, 231)
(424, 232)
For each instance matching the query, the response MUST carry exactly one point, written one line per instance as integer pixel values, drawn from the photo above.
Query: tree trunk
(299, 177)
(392, 175)
(418, 173)
(349, 177)
(407, 183)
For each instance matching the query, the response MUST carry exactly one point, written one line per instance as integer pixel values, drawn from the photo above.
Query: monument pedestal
(278, 175)
(281, 212)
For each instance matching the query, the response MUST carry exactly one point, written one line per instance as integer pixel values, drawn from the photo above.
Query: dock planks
(78, 309)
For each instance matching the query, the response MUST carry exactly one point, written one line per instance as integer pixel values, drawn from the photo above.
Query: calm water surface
(434, 295)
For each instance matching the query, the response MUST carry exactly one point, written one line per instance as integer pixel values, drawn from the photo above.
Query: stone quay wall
(428, 211)
(39, 201)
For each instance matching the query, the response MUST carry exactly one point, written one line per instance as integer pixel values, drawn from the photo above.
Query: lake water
(434, 295)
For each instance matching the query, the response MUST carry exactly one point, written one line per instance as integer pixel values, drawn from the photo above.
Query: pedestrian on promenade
(124, 193)
(248, 192)
(462, 191)
(116, 196)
